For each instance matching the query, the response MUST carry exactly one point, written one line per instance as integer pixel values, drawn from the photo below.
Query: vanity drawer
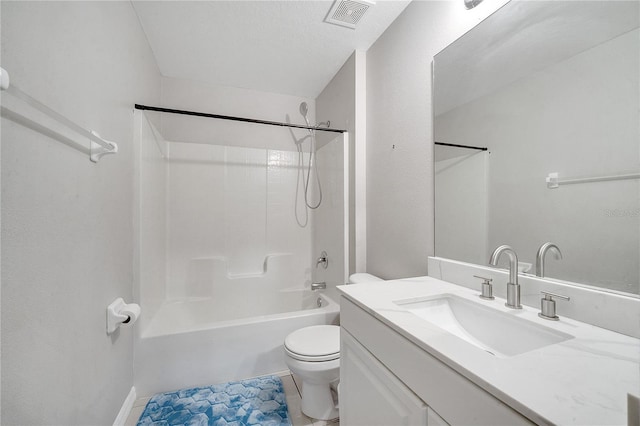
(454, 397)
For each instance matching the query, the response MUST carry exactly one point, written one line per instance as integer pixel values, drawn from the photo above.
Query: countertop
(582, 381)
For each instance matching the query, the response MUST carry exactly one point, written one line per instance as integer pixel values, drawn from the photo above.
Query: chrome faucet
(318, 285)
(513, 288)
(542, 251)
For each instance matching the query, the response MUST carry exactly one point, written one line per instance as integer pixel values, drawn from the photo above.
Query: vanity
(405, 360)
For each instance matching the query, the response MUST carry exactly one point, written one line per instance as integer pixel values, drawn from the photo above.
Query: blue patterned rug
(259, 401)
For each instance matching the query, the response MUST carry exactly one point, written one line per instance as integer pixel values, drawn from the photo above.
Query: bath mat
(260, 402)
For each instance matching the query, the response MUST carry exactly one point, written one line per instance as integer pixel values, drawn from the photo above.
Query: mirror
(551, 90)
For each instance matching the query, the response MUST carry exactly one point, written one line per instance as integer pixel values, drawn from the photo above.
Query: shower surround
(224, 266)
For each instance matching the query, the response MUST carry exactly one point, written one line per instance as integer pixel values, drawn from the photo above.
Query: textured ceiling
(273, 46)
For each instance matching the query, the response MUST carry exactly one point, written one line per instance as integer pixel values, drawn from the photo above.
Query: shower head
(304, 109)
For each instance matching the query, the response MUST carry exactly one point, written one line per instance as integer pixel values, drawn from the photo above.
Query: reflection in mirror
(547, 87)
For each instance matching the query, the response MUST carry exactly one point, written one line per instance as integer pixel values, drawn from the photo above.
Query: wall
(461, 204)
(66, 222)
(328, 220)
(336, 103)
(150, 218)
(230, 210)
(232, 186)
(580, 119)
(399, 133)
(223, 100)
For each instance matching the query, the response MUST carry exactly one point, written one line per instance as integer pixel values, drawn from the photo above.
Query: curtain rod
(462, 146)
(232, 118)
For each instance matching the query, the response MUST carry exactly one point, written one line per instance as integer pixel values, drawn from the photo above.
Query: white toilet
(313, 353)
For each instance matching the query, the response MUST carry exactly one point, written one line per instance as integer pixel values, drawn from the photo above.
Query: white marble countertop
(581, 381)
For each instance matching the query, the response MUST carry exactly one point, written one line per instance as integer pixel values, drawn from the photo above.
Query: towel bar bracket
(98, 151)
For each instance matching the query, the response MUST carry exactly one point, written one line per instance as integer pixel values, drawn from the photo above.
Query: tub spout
(319, 286)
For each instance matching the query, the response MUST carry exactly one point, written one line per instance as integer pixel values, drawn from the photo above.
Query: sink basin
(498, 333)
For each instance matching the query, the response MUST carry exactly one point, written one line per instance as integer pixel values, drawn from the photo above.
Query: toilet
(362, 277)
(313, 354)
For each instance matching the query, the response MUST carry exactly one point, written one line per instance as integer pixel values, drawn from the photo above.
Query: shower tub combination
(190, 344)
(209, 314)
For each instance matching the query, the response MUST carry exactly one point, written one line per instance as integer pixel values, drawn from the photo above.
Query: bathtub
(200, 342)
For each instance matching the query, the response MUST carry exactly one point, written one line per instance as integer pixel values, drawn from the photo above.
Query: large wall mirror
(551, 90)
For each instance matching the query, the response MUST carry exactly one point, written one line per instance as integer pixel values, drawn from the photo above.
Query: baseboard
(125, 410)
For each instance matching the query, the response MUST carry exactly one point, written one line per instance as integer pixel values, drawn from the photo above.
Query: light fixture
(470, 4)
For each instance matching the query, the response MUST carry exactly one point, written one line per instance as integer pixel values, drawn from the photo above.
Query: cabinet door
(370, 394)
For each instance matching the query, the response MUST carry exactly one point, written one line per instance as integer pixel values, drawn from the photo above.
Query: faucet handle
(323, 260)
(548, 295)
(487, 288)
(548, 305)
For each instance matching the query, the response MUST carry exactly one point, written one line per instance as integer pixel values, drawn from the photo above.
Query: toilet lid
(315, 343)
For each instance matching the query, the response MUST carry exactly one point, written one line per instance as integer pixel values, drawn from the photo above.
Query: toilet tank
(363, 277)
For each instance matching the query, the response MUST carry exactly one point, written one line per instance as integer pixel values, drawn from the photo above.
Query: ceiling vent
(347, 13)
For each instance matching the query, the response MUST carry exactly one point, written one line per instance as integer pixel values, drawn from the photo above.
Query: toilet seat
(315, 344)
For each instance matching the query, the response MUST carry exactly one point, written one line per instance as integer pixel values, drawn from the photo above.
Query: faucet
(318, 285)
(542, 251)
(513, 288)
(323, 260)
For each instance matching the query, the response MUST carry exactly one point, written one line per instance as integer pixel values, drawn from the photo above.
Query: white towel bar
(98, 146)
(553, 180)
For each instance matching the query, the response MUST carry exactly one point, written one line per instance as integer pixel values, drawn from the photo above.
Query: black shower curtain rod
(232, 118)
(462, 146)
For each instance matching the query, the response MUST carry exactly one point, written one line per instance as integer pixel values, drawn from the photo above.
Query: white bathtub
(201, 342)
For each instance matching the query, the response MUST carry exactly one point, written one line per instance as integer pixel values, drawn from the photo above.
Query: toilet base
(317, 401)
(317, 378)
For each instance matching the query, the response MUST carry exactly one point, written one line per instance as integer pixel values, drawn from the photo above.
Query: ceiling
(273, 46)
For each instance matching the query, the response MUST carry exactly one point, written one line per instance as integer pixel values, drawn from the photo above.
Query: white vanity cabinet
(370, 395)
(385, 379)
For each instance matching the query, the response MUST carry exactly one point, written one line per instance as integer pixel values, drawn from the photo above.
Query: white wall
(66, 222)
(461, 205)
(580, 119)
(150, 218)
(231, 101)
(336, 103)
(228, 209)
(231, 190)
(400, 180)
(328, 221)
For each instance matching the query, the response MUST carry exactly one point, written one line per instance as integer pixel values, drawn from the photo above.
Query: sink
(496, 332)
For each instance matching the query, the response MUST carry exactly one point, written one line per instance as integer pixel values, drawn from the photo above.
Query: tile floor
(292, 386)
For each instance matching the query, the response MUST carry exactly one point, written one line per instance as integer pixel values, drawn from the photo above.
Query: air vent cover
(348, 13)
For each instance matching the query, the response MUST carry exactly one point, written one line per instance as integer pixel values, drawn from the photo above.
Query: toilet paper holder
(119, 313)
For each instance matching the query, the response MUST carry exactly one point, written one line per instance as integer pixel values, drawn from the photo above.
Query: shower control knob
(323, 260)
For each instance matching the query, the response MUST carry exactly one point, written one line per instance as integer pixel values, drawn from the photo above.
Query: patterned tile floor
(292, 386)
